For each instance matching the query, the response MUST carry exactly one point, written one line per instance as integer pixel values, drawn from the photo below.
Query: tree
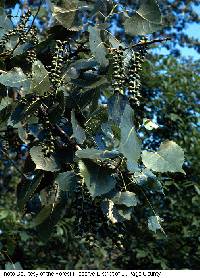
(78, 157)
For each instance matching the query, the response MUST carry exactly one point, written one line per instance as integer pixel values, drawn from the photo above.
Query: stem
(150, 42)
(154, 212)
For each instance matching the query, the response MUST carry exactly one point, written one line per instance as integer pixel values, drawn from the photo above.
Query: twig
(154, 212)
(4, 253)
(150, 42)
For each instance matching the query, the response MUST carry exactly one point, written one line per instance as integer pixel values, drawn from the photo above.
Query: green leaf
(73, 70)
(26, 191)
(13, 266)
(126, 198)
(148, 180)
(17, 115)
(169, 158)
(15, 78)
(146, 20)
(130, 144)
(42, 162)
(96, 154)
(4, 116)
(3, 213)
(78, 131)
(98, 179)
(149, 125)
(67, 14)
(46, 227)
(97, 46)
(5, 23)
(102, 8)
(40, 78)
(23, 135)
(66, 181)
(41, 216)
(5, 102)
(154, 223)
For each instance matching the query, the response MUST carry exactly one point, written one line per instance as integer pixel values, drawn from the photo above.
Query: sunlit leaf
(149, 125)
(126, 198)
(146, 20)
(97, 46)
(130, 144)
(98, 179)
(15, 78)
(169, 158)
(96, 154)
(154, 223)
(78, 131)
(66, 181)
(42, 162)
(40, 79)
(5, 102)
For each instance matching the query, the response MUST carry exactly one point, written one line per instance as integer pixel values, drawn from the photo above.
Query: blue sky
(193, 30)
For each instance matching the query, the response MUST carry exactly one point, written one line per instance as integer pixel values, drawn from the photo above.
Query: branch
(150, 42)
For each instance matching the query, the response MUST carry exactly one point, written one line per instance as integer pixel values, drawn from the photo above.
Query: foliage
(78, 103)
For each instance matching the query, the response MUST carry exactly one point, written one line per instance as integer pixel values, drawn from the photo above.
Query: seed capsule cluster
(118, 77)
(19, 31)
(48, 145)
(31, 56)
(134, 70)
(57, 64)
(89, 216)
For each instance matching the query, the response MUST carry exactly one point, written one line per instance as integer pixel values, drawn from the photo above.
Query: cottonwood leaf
(5, 23)
(96, 154)
(15, 78)
(27, 190)
(40, 78)
(46, 227)
(5, 102)
(169, 158)
(147, 179)
(78, 131)
(149, 125)
(154, 223)
(66, 181)
(67, 14)
(98, 179)
(126, 198)
(23, 135)
(42, 162)
(97, 46)
(102, 8)
(13, 266)
(146, 20)
(42, 216)
(130, 144)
